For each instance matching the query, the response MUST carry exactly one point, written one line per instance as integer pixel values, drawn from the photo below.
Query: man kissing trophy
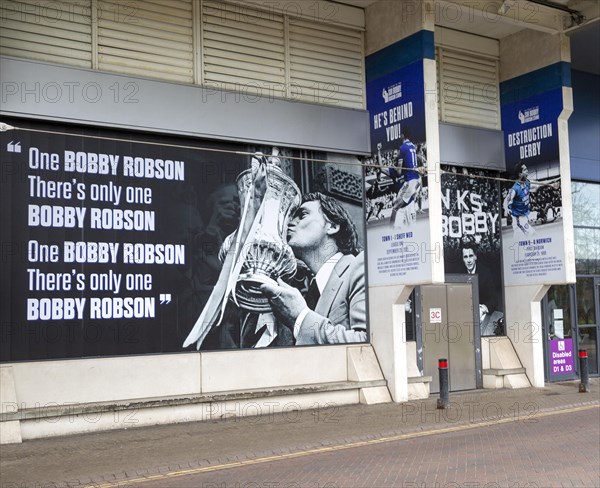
(255, 253)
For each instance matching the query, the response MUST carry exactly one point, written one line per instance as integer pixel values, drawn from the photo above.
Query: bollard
(583, 371)
(443, 400)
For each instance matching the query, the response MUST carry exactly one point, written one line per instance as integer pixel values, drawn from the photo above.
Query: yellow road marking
(339, 447)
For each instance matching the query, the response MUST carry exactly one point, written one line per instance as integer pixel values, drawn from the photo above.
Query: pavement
(164, 455)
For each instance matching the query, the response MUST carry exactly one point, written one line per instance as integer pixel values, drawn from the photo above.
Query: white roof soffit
(500, 18)
(590, 10)
(328, 12)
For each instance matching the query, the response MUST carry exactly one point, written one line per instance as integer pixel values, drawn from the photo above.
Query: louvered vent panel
(56, 32)
(468, 89)
(243, 49)
(326, 64)
(147, 38)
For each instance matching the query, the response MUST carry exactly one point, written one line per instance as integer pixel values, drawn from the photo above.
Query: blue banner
(531, 130)
(397, 101)
(397, 202)
(532, 227)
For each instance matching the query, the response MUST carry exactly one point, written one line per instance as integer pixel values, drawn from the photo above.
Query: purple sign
(561, 356)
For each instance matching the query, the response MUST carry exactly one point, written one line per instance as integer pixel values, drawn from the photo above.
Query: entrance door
(448, 331)
(561, 342)
(588, 289)
(571, 322)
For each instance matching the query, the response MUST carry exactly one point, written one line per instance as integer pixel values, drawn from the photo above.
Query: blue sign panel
(397, 204)
(531, 130)
(532, 231)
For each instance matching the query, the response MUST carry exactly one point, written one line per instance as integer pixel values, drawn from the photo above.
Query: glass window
(586, 204)
(559, 310)
(587, 251)
(586, 219)
(586, 308)
(588, 340)
(411, 312)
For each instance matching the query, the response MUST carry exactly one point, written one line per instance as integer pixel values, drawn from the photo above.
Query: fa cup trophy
(257, 252)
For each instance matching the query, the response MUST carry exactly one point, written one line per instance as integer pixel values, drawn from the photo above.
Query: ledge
(503, 372)
(73, 409)
(419, 379)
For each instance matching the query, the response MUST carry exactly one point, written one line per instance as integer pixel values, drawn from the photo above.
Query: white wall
(124, 378)
(45, 387)
(529, 50)
(387, 321)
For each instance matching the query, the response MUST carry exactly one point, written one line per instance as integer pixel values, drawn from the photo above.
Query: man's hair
(347, 237)
(468, 244)
(519, 168)
(406, 133)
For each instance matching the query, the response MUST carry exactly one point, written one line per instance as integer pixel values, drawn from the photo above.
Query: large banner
(116, 243)
(532, 227)
(397, 204)
(472, 245)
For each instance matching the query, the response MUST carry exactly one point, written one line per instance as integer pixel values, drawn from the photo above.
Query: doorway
(571, 322)
(588, 322)
(450, 329)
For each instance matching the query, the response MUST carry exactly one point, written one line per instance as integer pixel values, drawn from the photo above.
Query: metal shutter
(468, 88)
(234, 46)
(56, 32)
(151, 38)
(243, 51)
(326, 64)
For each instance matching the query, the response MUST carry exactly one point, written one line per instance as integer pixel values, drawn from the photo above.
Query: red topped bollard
(443, 400)
(584, 373)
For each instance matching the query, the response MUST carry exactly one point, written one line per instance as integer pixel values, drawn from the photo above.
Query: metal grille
(57, 32)
(326, 64)
(468, 88)
(149, 38)
(243, 50)
(227, 45)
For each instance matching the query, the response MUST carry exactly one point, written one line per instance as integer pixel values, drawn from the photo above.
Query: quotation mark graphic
(165, 298)
(16, 147)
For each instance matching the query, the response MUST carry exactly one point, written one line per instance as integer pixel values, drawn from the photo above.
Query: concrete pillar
(535, 71)
(565, 173)
(529, 50)
(388, 335)
(390, 21)
(399, 36)
(434, 171)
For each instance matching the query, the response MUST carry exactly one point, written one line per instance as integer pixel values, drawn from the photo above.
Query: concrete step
(503, 372)
(420, 379)
(70, 410)
(505, 378)
(418, 387)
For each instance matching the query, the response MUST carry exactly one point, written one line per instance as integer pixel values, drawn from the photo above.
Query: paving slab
(130, 453)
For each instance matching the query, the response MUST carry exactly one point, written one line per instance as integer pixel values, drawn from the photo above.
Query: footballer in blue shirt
(404, 212)
(517, 202)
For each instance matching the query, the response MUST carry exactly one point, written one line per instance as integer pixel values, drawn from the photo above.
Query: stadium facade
(160, 161)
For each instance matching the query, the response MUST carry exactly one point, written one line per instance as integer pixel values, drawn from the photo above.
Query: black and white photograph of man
(324, 237)
(292, 273)
(472, 243)
(489, 287)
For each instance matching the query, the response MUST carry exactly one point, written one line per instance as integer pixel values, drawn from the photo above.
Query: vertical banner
(532, 224)
(117, 243)
(471, 229)
(397, 202)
